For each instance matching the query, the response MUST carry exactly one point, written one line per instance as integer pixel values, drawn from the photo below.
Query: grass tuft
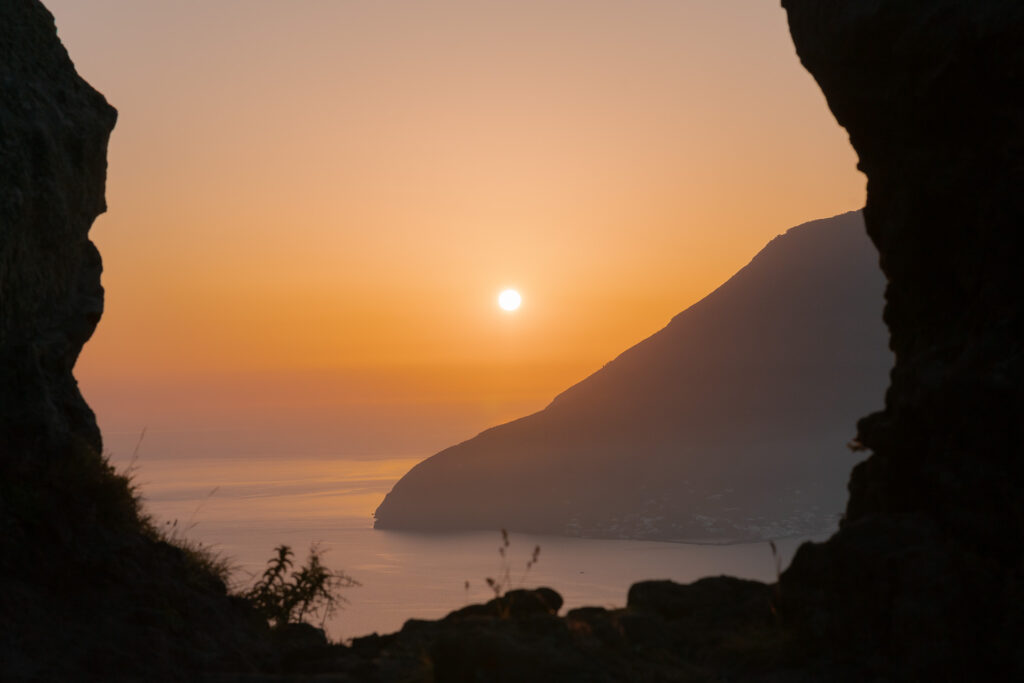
(503, 583)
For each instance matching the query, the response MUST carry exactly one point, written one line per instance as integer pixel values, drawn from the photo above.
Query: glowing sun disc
(509, 300)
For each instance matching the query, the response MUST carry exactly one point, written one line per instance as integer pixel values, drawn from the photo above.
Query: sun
(509, 300)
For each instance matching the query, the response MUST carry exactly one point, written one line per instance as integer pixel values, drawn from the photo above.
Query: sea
(242, 508)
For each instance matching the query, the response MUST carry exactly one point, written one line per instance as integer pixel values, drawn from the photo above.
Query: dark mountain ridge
(729, 423)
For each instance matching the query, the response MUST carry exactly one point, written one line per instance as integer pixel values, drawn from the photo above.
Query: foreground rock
(729, 424)
(924, 579)
(715, 629)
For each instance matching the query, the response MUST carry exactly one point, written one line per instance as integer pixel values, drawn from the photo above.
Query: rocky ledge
(712, 630)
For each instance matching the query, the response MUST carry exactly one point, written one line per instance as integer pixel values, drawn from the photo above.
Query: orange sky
(313, 204)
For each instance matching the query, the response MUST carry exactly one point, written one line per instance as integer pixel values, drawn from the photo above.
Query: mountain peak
(729, 423)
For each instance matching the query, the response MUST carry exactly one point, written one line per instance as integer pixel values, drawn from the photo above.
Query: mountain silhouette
(731, 423)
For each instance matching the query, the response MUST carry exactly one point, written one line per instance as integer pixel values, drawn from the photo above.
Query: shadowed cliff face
(90, 590)
(933, 97)
(926, 568)
(53, 141)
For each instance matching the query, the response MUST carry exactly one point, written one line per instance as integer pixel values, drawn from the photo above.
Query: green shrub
(310, 590)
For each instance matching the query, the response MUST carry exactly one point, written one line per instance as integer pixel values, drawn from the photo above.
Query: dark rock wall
(53, 140)
(926, 570)
(89, 589)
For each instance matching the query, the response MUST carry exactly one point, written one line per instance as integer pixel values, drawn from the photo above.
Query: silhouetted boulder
(729, 424)
(705, 602)
(515, 604)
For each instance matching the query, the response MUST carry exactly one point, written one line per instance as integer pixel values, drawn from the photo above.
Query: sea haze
(243, 507)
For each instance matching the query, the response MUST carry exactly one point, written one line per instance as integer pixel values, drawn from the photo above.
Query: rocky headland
(922, 582)
(730, 424)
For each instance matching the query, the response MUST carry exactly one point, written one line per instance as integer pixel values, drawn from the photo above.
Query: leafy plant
(312, 589)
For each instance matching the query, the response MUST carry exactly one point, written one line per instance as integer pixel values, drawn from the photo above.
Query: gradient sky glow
(313, 204)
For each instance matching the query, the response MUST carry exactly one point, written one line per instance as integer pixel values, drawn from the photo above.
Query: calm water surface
(244, 508)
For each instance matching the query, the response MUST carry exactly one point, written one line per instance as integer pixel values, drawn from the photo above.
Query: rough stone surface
(53, 141)
(89, 590)
(924, 578)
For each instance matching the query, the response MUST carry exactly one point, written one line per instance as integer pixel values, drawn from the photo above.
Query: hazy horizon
(313, 206)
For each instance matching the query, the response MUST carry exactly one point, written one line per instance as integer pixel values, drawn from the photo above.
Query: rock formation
(53, 165)
(90, 590)
(925, 574)
(729, 424)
